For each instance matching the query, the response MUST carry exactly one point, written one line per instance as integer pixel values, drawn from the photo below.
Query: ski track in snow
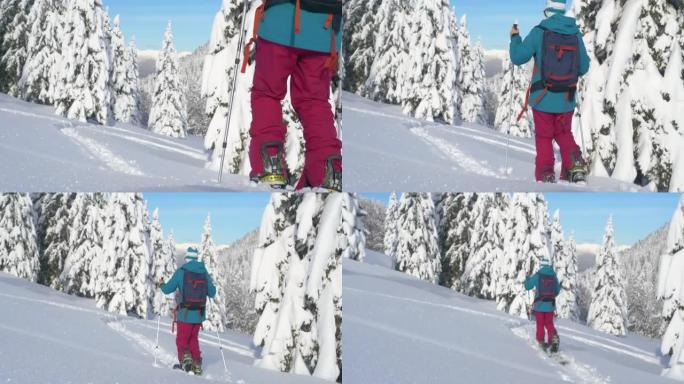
(189, 153)
(640, 356)
(608, 340)
(415, 301)
(146, 344)
(583, 372)
(511, 145)
(494, 360)
(466, 162)
(47, 338)
(47, 302)
(34, 115)
(204, 338)
(101, 152)
(493, 135)
(586, 374)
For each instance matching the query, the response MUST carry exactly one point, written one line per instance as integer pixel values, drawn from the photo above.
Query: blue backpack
(546, 289)
(559, 71)
(195, 291)
(560, 63)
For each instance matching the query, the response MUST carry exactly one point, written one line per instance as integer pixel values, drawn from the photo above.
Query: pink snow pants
(544, 320)
(309, 90)
(187, 340)
(549, 127)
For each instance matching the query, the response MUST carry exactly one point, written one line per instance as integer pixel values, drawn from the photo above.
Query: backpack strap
(331, 63)
(173, 324)
(298, 17)
(258, 17)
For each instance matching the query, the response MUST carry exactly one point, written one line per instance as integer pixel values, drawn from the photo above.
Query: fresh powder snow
(399, 329)
(73, 341)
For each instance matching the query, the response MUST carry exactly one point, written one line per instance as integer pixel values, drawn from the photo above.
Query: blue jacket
(176, 284)
(277, 26)
(522, 51)
(532, 282)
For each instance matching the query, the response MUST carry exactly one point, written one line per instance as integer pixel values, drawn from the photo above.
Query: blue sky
(491, 20)
(635, 215)
(147, 19)
(232, 214)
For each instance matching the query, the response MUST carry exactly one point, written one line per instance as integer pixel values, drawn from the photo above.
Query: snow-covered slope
(398, 329)
(71, 341)
(386, 150)
(40, 151)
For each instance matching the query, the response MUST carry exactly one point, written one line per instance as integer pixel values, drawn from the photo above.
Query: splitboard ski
(180, 368)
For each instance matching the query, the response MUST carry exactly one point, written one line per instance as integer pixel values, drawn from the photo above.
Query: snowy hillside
(72, 341)
(587, 252)
(386, 150)
(43, 152)
(398, 329)
(147, 59)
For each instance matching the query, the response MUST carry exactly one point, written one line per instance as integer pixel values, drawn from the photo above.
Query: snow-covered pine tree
(82, 89)
(55, 226)
(671, 292)
(237, 262)
(388, 72)
(417, 249)
(14, 28)
(525, 243)
(124, 78)
(168, 114)
(455, 233)
(296, 274)
(163, 266)
(216, 307)
(124, 284)
(39, 75)
(627, 100)
(390, 239)
(565, 264)
(217, 78)
(374, 223)
(85, 244)
(511, 99)
(18, 244)
(608, 309)
(432, 92)
(471, 77)
(359, 41)
(353, 227)
(486, 243)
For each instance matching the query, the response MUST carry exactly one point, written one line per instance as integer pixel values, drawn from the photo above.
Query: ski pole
(508, 143)
(223, 357)
(579, 122)
(236, 69)
(156, 347)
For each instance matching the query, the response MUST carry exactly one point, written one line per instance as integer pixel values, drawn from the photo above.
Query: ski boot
(275, 172)
(186, 364)
(197, 367)
(544, 347)
(555, 343)
(578, 171)
(333, 174)
(548, 176)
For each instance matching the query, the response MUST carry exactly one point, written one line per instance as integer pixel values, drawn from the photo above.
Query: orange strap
(298, 17)
(527, 99)
(258, 16)
(331, 63)
(173, 324)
